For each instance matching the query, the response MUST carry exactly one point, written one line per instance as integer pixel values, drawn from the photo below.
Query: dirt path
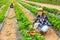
(8, 31)
(46, 5)
(50, 35)
(28, 14)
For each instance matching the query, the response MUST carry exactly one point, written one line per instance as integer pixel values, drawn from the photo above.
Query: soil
(8, 31)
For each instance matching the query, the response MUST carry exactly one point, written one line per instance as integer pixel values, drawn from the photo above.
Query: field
(17, 17)
(55, 2)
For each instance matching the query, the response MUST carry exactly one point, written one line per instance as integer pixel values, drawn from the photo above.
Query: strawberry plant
(3, 2)
(55, 21)
(51, 10)
(35, 36)
(3, 11)
(23, 22)
(33, 10)
(54, 2)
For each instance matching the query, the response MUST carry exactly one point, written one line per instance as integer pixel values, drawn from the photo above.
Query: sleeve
(47, 22)
(35, 20)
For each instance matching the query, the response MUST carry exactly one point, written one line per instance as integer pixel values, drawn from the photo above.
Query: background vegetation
(55, 2)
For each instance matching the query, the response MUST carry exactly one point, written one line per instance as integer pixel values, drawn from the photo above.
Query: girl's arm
(47, 22)
(35, 20)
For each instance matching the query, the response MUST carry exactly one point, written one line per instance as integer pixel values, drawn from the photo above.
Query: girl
(41, 22)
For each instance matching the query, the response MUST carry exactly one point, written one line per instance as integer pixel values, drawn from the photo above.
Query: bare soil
(8, 31)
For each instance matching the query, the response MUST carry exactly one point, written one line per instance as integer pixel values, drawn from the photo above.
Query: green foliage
(23, 25)
(55, 2)
(55, 21)
(3, 11)
(51, 10)
(27, 36)
(3, 2)
(29, 7)
(23, 22)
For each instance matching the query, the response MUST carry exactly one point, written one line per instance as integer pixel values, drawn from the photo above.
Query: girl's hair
(45, 14)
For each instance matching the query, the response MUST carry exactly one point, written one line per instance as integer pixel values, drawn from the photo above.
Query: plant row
(55, 21)
(2, 2)
(23, 25)
(29, 7)
(3, 11)
(50, 10)
(55, 2)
